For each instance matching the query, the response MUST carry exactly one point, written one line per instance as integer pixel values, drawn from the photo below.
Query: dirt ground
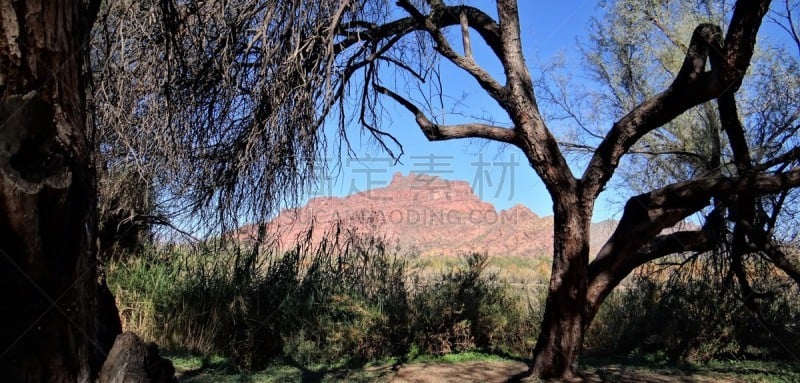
(502, 371)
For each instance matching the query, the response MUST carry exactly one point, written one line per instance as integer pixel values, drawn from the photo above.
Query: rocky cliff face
(426, 213)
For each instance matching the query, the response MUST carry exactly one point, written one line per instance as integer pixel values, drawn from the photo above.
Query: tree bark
(563, 325)
(48, 277)
(131, 360)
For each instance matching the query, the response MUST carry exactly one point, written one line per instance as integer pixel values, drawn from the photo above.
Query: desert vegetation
(351, 299)
(137, 137)
(355, 300)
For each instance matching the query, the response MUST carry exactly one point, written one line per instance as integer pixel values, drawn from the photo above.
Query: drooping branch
(761, 242)
(440, 17)
(436, 132)
(515, 96)
(503, 44)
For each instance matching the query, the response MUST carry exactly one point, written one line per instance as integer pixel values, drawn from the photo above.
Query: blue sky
(498, 173)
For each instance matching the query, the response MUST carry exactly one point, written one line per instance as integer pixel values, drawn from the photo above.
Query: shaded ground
(497, 371)
(508, 371)
(478, 371)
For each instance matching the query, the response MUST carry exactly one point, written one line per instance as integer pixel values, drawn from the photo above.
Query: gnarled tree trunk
(48, 279)
(563, 325)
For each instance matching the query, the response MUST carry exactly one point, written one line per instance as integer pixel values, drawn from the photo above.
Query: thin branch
(681, 153)
(792, 155)
(605, 272)
(761, 242)
(666, 34)
(465, 35)
(436, 132)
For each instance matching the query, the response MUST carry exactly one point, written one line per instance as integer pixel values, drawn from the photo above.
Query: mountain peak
(424, 212)
(416, 180)
(397, 179)
(520, 210)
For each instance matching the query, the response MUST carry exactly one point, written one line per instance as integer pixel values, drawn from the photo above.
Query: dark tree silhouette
(713, 68)
(239, 90)
(51, 301)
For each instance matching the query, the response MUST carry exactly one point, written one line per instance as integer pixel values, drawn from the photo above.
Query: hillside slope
(427, 213)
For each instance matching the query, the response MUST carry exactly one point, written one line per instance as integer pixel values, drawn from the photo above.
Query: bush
(467, 309)
(320, 305)
(346, 300)
(696, 314)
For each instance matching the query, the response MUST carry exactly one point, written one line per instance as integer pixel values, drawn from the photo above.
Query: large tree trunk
(48, 279)
(563, 326)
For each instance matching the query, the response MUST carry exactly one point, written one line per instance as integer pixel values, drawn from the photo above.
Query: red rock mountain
(430, 214)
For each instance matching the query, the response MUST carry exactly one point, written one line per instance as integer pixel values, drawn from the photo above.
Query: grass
(755, 371)
(197, 369)
(517, 271)
(461, 357)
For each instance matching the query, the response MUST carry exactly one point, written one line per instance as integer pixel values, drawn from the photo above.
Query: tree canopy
(219, 107)
(234, 98)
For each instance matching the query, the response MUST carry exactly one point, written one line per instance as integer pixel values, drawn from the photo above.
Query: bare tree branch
(793, 155)
(465, 36)
(692, 86)
(436, 132)
(760, 241)
(646, 215)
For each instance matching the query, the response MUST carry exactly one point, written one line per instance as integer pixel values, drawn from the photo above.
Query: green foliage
(652, 368)
(194, 369)
(329, 309)
(348, 300)
(308, 305)
(688, 317)
(467, 309)
(657, 367)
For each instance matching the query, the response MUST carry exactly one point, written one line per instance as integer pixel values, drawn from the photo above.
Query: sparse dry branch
(436, 132)
(227, 118)
(222, 116)
(465, 40)
(608, 272)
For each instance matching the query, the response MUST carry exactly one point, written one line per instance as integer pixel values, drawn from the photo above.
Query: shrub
(312, 305)
(346, 300)
(467, 309)
(695, 314)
